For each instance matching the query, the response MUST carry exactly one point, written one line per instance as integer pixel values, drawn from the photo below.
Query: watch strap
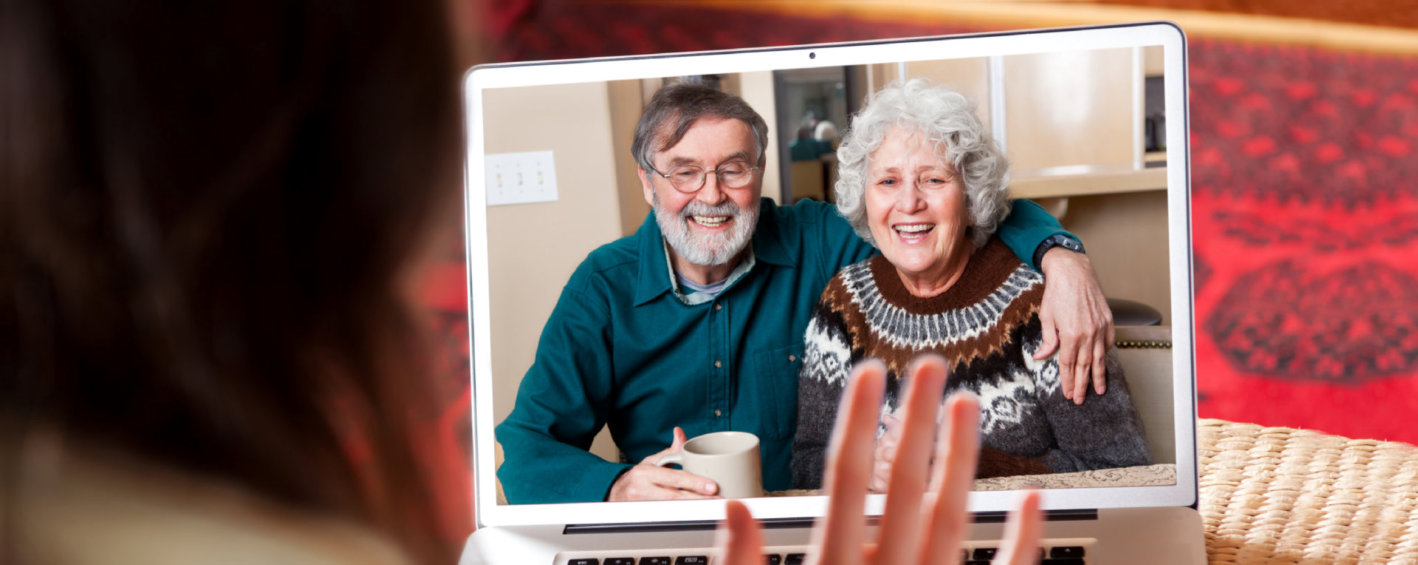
(1056, 240)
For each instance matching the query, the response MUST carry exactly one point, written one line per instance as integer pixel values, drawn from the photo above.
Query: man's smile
(710, 221)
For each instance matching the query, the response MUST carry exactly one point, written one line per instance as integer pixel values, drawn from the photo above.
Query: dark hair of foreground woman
(211, 212)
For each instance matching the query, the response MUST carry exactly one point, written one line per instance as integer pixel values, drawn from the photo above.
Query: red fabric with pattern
(1305, 219)
(1304, 208)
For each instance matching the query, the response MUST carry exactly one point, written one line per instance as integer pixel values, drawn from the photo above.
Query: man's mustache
(701, 209)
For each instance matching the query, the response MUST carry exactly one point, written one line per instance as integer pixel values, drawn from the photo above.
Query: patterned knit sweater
(987, 327)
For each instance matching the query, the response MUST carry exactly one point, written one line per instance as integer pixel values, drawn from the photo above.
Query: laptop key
(1067, 551)
(1063, 561)
(692, 560)
(584, 561)
(654, 561)
(984, 553)
(773, 559)
(620, 561)
(795, 559)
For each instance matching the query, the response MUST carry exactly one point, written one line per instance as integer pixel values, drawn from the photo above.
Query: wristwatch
(1056, 240)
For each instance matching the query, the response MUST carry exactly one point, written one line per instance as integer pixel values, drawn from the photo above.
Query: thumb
(1051, 338)
(678, 443)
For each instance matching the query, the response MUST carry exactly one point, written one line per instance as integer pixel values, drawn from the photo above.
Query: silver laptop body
(1094, 121)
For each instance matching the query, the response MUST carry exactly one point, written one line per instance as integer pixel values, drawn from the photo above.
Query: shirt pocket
(775, 389)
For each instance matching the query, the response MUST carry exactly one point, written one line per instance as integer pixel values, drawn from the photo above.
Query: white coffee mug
(730, 459)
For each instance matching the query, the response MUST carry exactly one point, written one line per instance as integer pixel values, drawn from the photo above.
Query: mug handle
(671, 459)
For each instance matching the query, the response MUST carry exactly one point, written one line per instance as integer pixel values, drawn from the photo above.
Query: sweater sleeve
(1104, 432)
(827, 361)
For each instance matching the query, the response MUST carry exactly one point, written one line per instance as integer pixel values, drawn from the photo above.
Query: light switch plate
(520, 178)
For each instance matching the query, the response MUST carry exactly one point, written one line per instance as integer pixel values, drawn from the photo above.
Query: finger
(1022, 532)
(840, 535)
(1112, 330)
(740, 538)
(677, 443)
(1101, 350)
(1066, 375)
(881, 466)
(1051, 337)
(900, 533)
(891, 421)
(880, 474)
(886, 444)
(1082, 363)
(1100, 368)
(957, 453)
(694, 486)
(886, 449)
(639, 484)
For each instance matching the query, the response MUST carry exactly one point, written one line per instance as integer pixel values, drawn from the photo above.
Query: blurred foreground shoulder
(82, 508)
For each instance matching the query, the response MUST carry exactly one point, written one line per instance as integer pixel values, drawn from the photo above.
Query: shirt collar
(694, 297)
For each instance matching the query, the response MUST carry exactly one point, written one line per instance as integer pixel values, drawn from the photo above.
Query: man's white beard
(706, 249)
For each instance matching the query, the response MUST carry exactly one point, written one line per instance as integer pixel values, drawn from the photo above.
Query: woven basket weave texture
(1282, 495)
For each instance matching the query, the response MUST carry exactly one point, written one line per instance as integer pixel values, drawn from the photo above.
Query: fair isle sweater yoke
(987, 328)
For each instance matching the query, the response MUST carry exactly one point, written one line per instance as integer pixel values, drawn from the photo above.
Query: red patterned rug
(1305, 218)
(1305, 213)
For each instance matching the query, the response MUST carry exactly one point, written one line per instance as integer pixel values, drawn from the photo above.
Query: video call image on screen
(1083, 132)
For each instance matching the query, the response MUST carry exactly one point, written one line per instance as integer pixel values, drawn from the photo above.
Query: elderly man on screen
(695, 322)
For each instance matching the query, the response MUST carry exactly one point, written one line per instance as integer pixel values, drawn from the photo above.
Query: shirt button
(718, 364)
(718, 412)
(718, 307)
(792, 358)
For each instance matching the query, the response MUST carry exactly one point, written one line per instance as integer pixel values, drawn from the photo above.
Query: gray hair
(675, 108)
(945, 118)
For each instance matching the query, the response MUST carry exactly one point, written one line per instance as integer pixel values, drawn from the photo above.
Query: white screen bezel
(1183, 493)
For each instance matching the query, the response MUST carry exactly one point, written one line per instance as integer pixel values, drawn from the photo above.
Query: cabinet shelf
(1086, 180)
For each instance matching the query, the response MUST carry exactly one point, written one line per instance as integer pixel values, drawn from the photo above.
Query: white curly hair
(947, 119)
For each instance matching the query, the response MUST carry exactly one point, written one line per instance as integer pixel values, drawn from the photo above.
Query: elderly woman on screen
(923, 181)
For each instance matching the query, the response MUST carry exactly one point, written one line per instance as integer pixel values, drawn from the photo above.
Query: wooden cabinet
(1073, 125)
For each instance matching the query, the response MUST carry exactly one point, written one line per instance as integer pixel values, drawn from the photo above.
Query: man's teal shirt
(622, 350)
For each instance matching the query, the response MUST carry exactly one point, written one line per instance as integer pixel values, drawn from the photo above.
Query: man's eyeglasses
(690, 178)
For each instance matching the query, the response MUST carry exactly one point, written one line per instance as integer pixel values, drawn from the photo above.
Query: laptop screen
(1092, 121)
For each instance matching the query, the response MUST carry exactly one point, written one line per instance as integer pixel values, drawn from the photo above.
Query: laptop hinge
(1074, 515)
(641, 527)
(777, 523)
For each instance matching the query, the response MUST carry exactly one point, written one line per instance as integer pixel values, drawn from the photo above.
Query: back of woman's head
(208, 209)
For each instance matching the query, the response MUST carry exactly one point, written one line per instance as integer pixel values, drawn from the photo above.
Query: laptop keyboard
(1071, 551)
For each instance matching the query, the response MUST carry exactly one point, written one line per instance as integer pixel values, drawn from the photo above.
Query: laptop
(1094, 121)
